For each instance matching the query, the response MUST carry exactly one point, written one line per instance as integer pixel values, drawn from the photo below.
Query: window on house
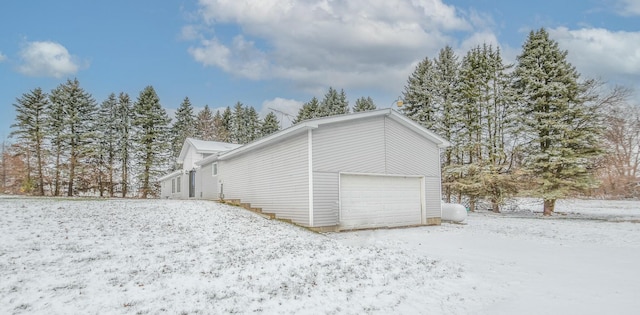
(214, 169)
(178, 180)
(173, 186)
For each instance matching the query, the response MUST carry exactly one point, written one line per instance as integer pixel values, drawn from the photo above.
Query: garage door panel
(380, 201)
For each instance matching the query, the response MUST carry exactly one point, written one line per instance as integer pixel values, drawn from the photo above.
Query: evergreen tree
(151, 138)
(124, 135)
(227, 117)
(253, 124)
(334, 103)
(364, 104)
(107, 143)
(445, 84)
(56, 125)
(184, 126)
(79, 109)
(418, 95)
(309, 110)
(30, 127)
(220, 129)
(270, 124)
(564, 130)
(204, 125)
(239, 124)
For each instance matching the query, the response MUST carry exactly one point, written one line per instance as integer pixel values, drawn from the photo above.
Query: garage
(369, 201)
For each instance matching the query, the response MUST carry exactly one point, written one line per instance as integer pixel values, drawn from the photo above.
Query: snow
(172, 256)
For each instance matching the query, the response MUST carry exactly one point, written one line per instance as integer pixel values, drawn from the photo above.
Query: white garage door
(379, 201)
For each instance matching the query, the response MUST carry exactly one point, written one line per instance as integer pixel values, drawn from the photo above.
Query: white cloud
(599, 52)
(319, 43)
(628, 7)
(2, 57)
(47, 59)
(285, 109)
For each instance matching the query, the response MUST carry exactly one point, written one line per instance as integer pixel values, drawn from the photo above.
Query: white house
(182, 184)
(360, 170)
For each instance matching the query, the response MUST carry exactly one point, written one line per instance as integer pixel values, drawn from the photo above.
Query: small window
(173, 186)
(214, 169)
(178, 180)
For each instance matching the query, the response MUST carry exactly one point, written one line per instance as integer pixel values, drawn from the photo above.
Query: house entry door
(192, 184)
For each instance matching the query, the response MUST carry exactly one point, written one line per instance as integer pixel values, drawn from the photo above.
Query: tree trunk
(495, 206)
(549, 205)
(72, 172)
(472, 204)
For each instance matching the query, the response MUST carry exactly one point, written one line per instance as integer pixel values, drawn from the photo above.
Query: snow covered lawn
(164, 256)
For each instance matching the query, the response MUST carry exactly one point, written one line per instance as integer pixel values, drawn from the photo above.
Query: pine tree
(309, 110)
(418, 95)
(151, 138)
(220, 129)
(227, 117)
(183, 127)
(124, 135)
(79, 109)
(253, 124)
(563, 128)
(270, 124)
(334, 103)
(364, 104)
(30, 127)
(56, 125)
(239, 124)
(107, 143)
(204, 125)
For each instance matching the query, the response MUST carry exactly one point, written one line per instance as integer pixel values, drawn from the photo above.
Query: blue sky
(280, 53)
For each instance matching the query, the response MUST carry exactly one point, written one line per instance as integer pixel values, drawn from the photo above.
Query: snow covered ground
(164, 256)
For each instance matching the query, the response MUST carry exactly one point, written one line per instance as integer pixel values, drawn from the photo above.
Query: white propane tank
(453, 212)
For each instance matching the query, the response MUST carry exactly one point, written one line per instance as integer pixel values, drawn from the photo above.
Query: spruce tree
(151, 139)
(56, 126)
(204, 125)
(270, 124)
(309, 110)
(107, 143)
(227, 117)
(124, 135)
(418, 102)
(79, 110)
(563, 129)
(253, 124)
(30, 127)
(333, 104)
(239, 124)
(364, 104)
(183, 127)
(220, 129)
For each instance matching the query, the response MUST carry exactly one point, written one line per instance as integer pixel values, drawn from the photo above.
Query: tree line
(69, 144)
(535, 128)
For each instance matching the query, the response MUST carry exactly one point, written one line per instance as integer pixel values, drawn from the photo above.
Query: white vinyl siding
(376, 145)
(410, 153)
(274, 178)
(208, 185)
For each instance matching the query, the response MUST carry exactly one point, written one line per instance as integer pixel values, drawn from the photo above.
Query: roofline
(175, 173)
(314, 123)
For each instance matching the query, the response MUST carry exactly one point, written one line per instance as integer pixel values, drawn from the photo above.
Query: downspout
(310, 166)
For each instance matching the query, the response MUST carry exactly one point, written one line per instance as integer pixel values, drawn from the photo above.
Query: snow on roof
(202, 146)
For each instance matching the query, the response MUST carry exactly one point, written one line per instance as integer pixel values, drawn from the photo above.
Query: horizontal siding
(356, 146)
(325, 199)
(274, 178)
(208, 184)
(433, 197)
(410, 153)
